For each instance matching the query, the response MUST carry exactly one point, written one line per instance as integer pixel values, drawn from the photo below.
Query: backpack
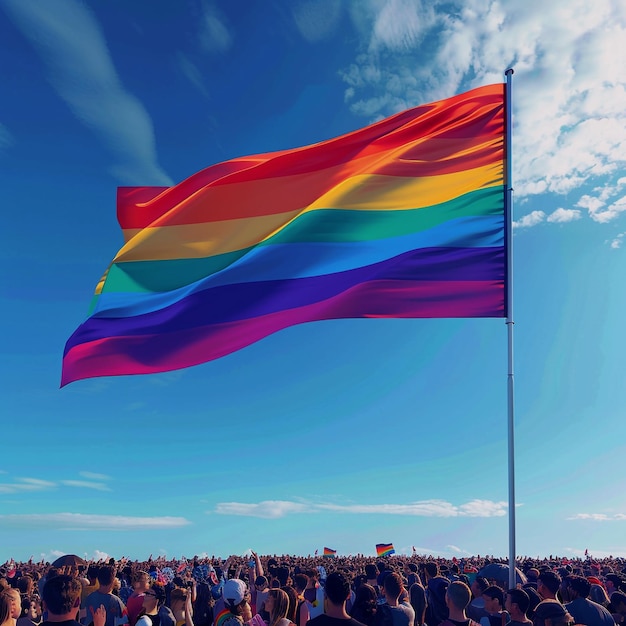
(437, 609)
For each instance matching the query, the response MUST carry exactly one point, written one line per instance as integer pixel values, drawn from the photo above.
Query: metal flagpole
(508, 211)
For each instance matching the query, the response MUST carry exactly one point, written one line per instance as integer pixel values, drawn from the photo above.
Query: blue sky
(341, 433)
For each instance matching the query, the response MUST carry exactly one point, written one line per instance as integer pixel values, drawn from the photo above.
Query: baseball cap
(234, 591)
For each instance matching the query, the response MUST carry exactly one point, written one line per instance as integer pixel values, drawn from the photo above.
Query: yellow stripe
(362, 193)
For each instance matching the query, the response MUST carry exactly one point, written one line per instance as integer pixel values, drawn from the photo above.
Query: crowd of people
(311, 591)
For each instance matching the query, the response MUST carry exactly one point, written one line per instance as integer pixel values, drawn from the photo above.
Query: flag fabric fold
(401, 219)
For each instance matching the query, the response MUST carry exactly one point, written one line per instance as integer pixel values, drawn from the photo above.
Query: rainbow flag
(384, 549)
(400, 219)
(330, 552)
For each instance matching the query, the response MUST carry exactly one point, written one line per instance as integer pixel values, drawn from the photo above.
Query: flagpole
(508, 210)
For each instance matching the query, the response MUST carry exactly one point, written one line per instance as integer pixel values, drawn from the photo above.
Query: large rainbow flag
(401, 219)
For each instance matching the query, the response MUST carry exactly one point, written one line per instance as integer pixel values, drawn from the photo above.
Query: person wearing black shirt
(61, 601)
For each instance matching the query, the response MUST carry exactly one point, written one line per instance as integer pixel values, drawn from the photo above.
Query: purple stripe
(230, 303)
(162, 352)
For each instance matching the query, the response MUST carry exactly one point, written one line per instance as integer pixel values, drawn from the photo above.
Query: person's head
(618, 600)
(61, 595)
(14, 598)
(392, 585)
(551, 613)
(235, 594)
(337, 588)
(25, 585)
(458, 595)
(479, 584)
(613, 582)
(5, 610)
(575, 587)
(431, 569)
(548, 584)
(106, 575)
(598, 595)
(277, 605)
(494, 599)
(178, 597)
(299, 582)
(517, 601)
(141, 580)
(153, 598)
(371, 571)
(365, 596)
(261, 583)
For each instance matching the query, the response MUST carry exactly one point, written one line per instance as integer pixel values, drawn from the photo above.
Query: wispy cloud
(599, 517)
(20, 485)
(27, 484)
(86, 484)
(80, 521)
(617, 241)
(569, 85)
(271, 509)
(70, 44)
(529, 220)
(316, 19)
(214, 34)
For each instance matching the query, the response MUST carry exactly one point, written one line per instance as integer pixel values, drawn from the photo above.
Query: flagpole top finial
(509, 71)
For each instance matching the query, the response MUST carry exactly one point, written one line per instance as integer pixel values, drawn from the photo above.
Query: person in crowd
(15, 600)
(548, 584)
(302, 610)
(115, 610)
(365, 605)
(417, 598)
(476, 608)
(575, 592)
(336, 593)
(598, 595)
(618, 607)
(277, 605)
(29, 615)
(181, 606)
(436, 586)
(314, 593)
(141, 582)
(5, 611)
(155, 612)
(458, 597)
(236, 599)
(551, 613)
(516, 604)
(293, 602)
(61, 602)
(394, 612)
(494, 605)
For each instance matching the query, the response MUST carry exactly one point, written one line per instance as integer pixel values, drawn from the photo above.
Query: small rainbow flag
(384, 549)
(330, 552)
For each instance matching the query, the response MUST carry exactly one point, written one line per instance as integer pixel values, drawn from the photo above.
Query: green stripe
(321, 225)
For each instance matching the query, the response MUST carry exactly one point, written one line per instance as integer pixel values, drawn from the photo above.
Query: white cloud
(618, 241)
(598, 517)
(316, 19)
(569, 86)
(27, 484)
(80, 521)
(268, 509)
(531, 219)
(71, 46)
(272, 509)
(214, 35)
(94, 476)
(562, 216)
(86, 484)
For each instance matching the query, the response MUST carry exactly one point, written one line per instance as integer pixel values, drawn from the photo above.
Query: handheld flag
(384, 549)
(400, 219)
(330, 552)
